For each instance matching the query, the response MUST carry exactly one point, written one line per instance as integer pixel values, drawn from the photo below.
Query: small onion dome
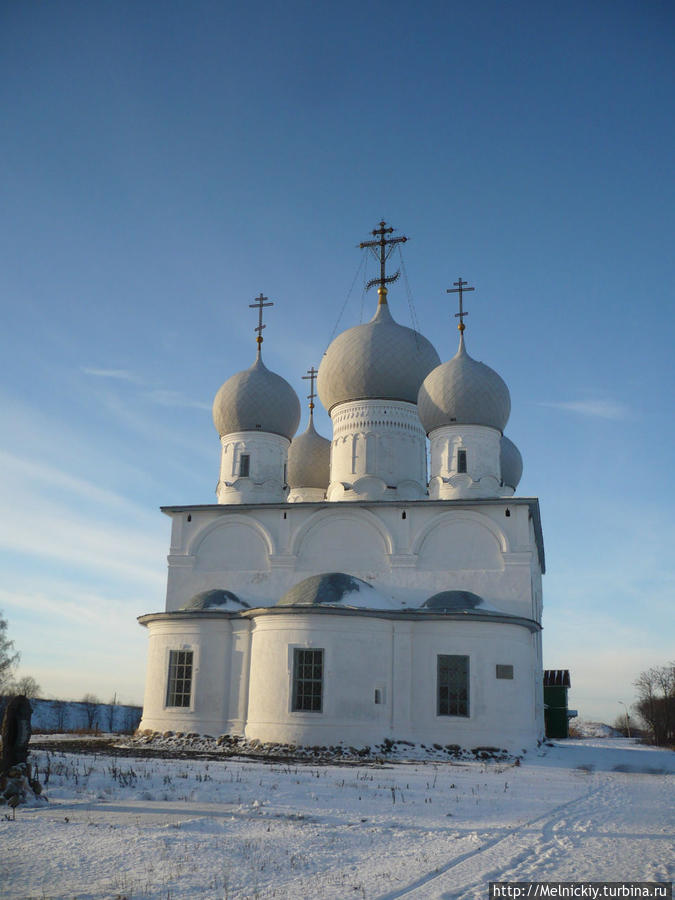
(451, 601)
(380, 360)
(309, 459)
(256, 400)
(463, 391)
(319, 590)
(511, 463)
(215, 599)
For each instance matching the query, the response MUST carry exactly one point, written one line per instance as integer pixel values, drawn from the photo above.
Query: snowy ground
(594, 809)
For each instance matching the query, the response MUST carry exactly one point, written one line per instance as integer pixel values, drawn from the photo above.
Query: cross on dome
(382, 250)
(459, 288)
(311, 377)
(260, 303)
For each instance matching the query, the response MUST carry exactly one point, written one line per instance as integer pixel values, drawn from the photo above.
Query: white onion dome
(380, 360)
(256, 400)
(463, 391)
(309, 459)
(511, 463)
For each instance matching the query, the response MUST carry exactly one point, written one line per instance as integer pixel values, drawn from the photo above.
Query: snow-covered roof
(335, 588)
(215, 599)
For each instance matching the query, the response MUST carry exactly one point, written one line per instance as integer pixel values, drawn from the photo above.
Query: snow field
(177, 829)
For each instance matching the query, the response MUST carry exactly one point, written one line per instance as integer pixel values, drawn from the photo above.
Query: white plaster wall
(357, 659)
(483, 475)
(210, 641)
(502, 712)
(378, 450)
(260, 553)
(266, 482)
(399, 658)
(306, 495)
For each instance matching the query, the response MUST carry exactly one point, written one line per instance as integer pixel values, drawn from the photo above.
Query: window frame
(174, 663)
(462, 461)
(456, 705)
(244, 464)
(304, 696)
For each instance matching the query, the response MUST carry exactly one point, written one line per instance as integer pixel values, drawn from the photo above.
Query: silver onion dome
(256, 400)
(463, 391)
(309, 459)
(511, 463)
(380, 360)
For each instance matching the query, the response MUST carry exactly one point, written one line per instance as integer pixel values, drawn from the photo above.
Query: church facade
(338, 592)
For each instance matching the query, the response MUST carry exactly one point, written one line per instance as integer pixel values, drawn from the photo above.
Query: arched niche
(342, 542)
(235, 543)
(461, 541)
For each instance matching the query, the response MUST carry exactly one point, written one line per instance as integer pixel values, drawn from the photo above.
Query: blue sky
(163, 163)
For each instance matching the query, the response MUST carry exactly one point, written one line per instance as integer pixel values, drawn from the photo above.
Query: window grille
(244, 465)
(307, 680)
(461, 461)
(504, 671)
(179, 685)
(453, 685)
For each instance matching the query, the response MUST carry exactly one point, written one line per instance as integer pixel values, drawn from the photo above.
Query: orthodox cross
(382, 250)
(311, 376)
(459, 289)
(260, 303)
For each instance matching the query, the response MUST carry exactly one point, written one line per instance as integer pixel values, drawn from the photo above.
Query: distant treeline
(80, 715)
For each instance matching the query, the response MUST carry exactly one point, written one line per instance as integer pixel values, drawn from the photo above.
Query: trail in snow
(148, 829)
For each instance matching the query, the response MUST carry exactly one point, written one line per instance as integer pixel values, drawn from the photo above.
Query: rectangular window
(179, 685)
(504, 671)
(461, 461)
(244, 465)
(453, 685)
(307, 680)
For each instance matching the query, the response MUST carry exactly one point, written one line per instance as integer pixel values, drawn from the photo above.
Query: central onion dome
(309, 459)
(380, 360)
(463, 391)
(256, 400)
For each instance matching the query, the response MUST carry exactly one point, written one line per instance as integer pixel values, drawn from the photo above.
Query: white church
(340, 593)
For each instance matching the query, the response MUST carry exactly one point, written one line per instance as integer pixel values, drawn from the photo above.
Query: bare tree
(9, 658)
(60, 710)
(91, 703)
(27, 686)
(656, 703)
(110, 713)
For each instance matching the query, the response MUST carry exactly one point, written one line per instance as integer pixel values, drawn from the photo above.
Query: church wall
(502, 712)
(260, 553)
(357, 660)
(209, 639)
(398, 659)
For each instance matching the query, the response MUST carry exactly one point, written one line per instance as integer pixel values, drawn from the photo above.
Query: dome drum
(253, 468)
(378, 446)
(465, 462)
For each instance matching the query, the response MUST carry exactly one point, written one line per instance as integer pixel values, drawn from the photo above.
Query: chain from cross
(459, 288)
(260, 303)
(311, 377)
(382, 250)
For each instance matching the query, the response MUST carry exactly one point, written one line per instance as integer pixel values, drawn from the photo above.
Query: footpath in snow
(181, 829)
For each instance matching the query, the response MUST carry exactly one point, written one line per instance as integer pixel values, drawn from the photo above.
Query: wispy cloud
(118, 374)
(159, 396)
(76, 523)
(599, 409)
(173, 398)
